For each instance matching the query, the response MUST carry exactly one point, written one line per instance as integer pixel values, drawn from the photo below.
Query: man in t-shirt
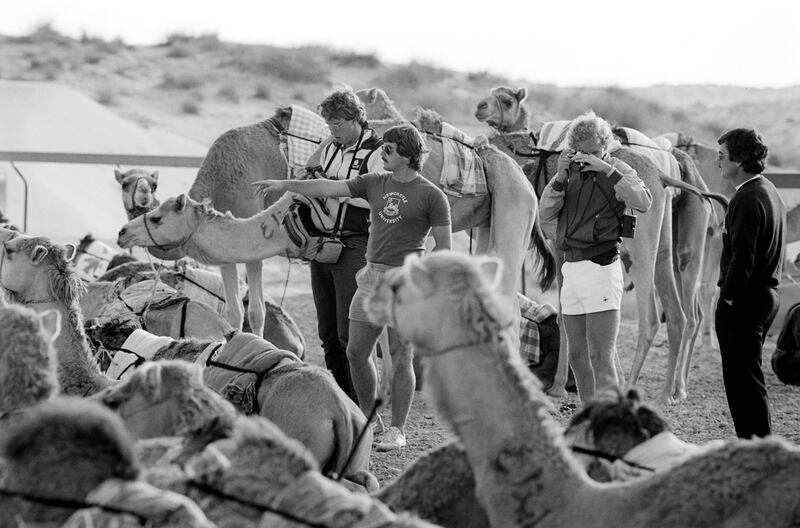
(405, 208)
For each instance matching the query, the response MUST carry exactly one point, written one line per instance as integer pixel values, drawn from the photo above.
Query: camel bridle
(167, 247)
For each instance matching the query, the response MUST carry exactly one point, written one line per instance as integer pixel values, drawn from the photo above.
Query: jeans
(333, 286)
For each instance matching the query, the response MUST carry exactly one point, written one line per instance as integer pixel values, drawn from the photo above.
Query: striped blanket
(462, 168)
(553, 136)
(531, 314)
(631, 136)
(251, 358)
(305, 133)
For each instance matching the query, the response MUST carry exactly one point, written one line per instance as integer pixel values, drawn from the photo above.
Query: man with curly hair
(750, 268)
(405, 208)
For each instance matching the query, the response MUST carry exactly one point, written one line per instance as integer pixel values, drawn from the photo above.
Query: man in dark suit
(750, 268)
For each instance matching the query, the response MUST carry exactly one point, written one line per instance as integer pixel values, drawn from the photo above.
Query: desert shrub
(299, 95)
(179, 51)
(106, 96)
(355, 60)
(484, 78)
(293, 65)
(190, 106)
(205, 42)
(97, 45)
(229, 93)
(181, 81)
(262, 91)
(91, 57)
(411, 76)
(43, 33)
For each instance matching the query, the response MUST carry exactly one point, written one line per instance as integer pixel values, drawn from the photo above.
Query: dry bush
(487, 79)
(181, 81)
(41, 34)
(204, 42)
(411, 76)
(262, 91)
(179, 51)
(106, 96)
(294, 65)
(229, 93)
(190, 106)
(352, 59)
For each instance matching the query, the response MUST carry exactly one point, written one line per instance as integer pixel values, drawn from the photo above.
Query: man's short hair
(589, 127)
(343, 104)
(746, 147)
(410, 144)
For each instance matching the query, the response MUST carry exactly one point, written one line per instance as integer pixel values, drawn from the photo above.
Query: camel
(71, 463)
(507, 230)
(162, 311)
(651, 250)
(446, 305)
(303, 400)
(27, 359)
(138, 190)
(35, 273)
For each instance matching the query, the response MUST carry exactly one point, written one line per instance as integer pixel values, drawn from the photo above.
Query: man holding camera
(588, 198)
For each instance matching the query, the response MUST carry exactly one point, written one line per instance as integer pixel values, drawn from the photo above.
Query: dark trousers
(741, 330)
(333, 286)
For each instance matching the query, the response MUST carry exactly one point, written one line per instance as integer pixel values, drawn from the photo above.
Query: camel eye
(155, 219)
(126, 186)
(153, 188)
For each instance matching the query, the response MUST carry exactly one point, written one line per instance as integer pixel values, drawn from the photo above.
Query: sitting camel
(303, 400)
(71, 463)
(27, 360)
(506, 230)
(446, 304)
(138, 190)
(35, 273)
(661, 235)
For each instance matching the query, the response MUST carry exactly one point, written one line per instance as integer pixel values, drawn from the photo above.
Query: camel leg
(708, 287)
(234, 308)
(643, 249)
(255, 304)
(558, 390)
(691, 226)
(667, 290)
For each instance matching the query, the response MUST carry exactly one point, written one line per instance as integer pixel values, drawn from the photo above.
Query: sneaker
(393, 439)
(377, 427)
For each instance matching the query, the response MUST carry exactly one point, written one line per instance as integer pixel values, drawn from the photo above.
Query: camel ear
(50, 322)
(70, 250)
(154, 175)
(38, 255)
(521, 94)
(372, 95)
(491, 268)
(180, 203)
(119, 176)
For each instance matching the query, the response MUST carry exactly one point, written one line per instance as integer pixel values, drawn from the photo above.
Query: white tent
(66, 200)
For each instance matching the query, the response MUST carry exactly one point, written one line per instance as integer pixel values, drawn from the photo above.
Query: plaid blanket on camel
(532, 313)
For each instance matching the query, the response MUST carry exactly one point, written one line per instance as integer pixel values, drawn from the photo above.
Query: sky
(564, 42)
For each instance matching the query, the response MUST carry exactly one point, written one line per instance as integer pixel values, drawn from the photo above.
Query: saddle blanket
(245, 352)
(92, 262)
(553, 136)
(532, 313)
(462, 168)
(631, 136)
(303, 136)
(137, 296)
(140, 346)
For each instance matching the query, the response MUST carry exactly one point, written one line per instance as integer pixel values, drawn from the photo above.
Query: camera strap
(610, 203)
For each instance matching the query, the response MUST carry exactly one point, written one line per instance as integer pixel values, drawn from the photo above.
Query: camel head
(443, 300)
(283, 116)
(168, 226)
(377, 104)
(138, 190)
(27, 357)
(35, 269)
(503, 109)
(65, 448)
(112, 332)
(165, 398)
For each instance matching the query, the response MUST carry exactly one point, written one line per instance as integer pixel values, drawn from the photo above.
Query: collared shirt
(338, 164)
(749, 180)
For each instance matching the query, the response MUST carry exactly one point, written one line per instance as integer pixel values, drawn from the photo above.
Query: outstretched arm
(321, 188)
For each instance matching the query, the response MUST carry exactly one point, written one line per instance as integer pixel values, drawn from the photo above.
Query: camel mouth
(125, 241)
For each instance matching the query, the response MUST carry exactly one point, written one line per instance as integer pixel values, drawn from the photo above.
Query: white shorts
(588, 287)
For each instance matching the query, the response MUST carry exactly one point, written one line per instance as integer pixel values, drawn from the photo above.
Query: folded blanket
(553, 136)
(140, 346)
(531, 314)
(93, 261)
(237, 370)
(462, 168)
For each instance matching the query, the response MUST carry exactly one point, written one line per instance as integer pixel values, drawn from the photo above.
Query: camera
(627, 227)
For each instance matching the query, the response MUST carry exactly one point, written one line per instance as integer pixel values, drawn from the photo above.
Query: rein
(282, 132)
(606, 456)
(205, 488)
(187, 279)
(169, 246)
(71, 504)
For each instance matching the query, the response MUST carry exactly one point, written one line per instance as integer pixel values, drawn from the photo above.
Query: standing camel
(652, 249)
(507, 219)
(446, 304)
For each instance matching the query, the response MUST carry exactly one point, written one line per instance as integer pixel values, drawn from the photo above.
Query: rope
(606, 456)
(372, 413)
(286, 282)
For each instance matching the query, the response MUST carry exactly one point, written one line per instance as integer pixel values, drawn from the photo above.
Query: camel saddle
(237, 369)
